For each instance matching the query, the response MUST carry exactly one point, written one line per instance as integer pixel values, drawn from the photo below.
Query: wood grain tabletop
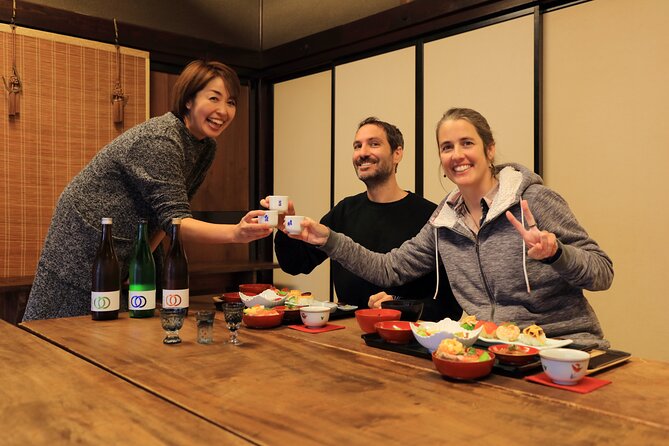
(50, 396)
(283, 386)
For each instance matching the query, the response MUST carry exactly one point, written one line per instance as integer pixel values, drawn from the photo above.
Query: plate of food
(510, 333)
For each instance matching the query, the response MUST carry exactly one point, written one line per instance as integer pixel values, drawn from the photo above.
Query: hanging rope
(118, 98)
(13, 87)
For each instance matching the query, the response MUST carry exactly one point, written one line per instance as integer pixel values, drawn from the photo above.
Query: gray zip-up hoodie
(486, 270)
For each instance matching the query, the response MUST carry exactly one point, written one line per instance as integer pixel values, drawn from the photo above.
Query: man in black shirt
(380, 219)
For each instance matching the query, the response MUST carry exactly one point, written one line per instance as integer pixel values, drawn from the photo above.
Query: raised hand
(543, 244)
(312, 232)
(291, 207)
(248, 229)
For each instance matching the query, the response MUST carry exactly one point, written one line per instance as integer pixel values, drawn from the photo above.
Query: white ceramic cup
(271, 218)
(315, 317)
(278, 203)
(564, 366)
(293, 223)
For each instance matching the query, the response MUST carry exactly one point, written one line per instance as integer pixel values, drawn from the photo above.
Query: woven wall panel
(65, 119)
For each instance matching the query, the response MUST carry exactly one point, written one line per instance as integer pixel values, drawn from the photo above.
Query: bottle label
(142, 300)
(175, 298)
(105, 300)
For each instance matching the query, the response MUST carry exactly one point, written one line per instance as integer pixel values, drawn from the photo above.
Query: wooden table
(49, 396)
(283, 386)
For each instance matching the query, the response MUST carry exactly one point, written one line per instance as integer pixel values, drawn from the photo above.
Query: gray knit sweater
(150, 171)
(486, 270)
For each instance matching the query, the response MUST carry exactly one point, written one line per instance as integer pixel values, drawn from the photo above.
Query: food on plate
(468, 322)
(296, 298)
(508, 332)
(514, 350)
(533, 335)
(488, 330)
(423, 330)
(260, 310)
(453, 349)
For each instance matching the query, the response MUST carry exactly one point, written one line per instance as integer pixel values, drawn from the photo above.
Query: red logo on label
(173, 300)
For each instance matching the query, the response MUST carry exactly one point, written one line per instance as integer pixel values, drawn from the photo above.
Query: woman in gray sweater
(505, 262)
(151, 171)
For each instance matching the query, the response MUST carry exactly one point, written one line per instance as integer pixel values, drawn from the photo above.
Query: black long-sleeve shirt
(379, 227)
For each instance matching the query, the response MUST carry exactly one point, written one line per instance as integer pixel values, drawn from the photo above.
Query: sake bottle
(142, 270)
(175, 272)
(106, 286)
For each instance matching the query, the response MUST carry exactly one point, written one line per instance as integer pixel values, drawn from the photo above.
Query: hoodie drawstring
(522, 220)
(436, 261)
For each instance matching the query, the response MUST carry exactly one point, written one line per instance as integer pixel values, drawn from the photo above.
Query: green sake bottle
(142, 270)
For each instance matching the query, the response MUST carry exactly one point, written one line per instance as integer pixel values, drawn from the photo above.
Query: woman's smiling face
(211, 111)
(463, 156)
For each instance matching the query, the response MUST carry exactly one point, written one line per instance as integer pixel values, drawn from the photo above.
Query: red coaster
(304, 328)
(586, 385)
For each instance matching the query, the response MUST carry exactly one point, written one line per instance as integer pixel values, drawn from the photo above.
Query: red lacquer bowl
(231, 297)
(395, 332)
(253, 289)
(368, 317)
(290, 315)
(464, 370)
(270, 321)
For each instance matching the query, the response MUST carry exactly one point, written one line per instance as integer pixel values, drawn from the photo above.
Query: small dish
(514, 354)
(395, 332)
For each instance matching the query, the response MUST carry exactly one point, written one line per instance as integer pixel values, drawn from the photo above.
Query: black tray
(415, 349)
(604, 359)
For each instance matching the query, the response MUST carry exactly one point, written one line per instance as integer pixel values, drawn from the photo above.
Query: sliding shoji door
(605, 151)
(491, 70)
(302, 117)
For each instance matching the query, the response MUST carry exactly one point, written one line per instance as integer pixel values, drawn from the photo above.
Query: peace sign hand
(543, 244)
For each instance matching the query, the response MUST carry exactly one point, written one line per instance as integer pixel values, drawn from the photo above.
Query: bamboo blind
(65, 119)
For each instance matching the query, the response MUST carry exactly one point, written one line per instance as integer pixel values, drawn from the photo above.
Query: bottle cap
(106, 220)
(176, 221)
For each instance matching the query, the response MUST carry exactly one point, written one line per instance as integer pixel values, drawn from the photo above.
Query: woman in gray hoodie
(505, 262)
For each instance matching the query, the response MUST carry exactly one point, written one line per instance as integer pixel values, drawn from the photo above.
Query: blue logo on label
(138, 301)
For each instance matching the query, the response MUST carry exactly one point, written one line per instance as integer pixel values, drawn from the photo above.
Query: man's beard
(379, 177)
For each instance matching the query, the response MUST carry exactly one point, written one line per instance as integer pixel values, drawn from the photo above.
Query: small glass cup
(234, 312)
(172, 319)
(205, 326)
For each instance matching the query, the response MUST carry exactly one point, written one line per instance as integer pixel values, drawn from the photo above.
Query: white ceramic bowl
(445, 329)
(429, 342)
(564, 366)
(331, 305)
(315, 317)
(268, 298)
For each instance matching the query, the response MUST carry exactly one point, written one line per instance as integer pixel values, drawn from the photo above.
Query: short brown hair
(393, 134)
(195, 77)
